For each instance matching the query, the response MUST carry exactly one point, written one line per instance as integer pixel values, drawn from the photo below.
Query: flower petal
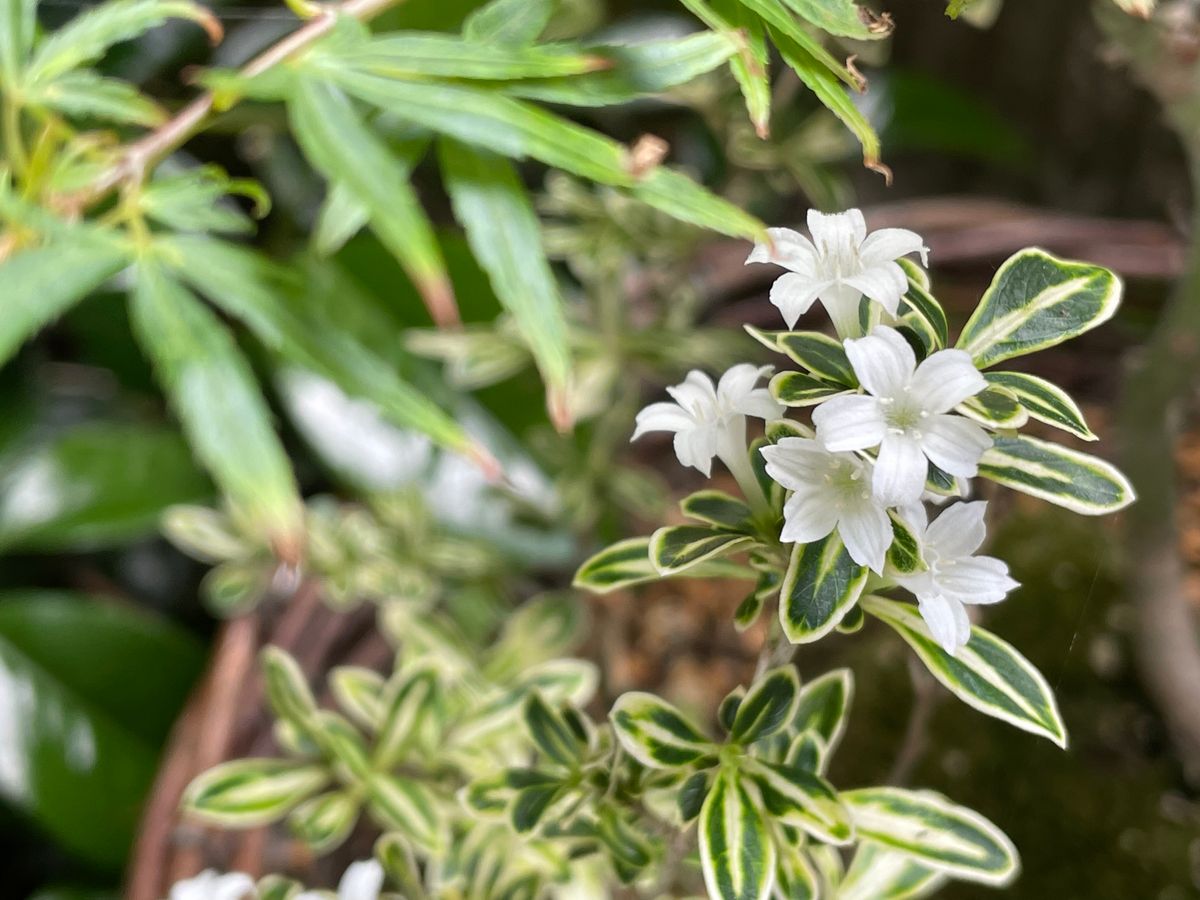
(883, 361)
(866, 531)
(900, 471)
(977, 579)
(696, 447)
(797, 462)
(738, 381)
(889, 244)
(959, 531)
(808, 515)
(946, 379)
(760, 404)
(836, 231)
(789, 249)
(662, 417)
(793, 294)
(884, 283)
(944, 618)
(954, 444)
(362, 881)
(852, 422)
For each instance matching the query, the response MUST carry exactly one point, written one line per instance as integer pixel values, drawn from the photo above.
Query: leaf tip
(558, 406)
(438, 295)
(487, 463)
(875, 165)
(647, 154)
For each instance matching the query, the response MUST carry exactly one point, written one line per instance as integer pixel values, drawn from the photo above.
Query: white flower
(361, 881)
(954, 576)
(211, 885)
(830, 491)
(906, 413)
(710, 421)
(838, 266)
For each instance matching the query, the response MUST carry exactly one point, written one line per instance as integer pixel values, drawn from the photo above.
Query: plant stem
(146, 151)
(14, 145)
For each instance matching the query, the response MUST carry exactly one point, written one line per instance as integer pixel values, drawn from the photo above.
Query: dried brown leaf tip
(646, 154)
(860, 80)
(877, 23)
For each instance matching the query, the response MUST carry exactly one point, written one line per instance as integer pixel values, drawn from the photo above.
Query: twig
(916, 734)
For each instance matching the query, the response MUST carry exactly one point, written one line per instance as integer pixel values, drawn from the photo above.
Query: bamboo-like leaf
(1044, 401)
(509, 21)
(1036, 301)
(987, 674)
(407, 701)
(348, 153)
(88, 36)
(776, 14)
(407, 806)
(503, 230)
(341, 217)
(407, 54)
(41, 284)
(876, 872)
(737, 854)
(995, 407)
(249, 288)
(520, 130)
(18, 25)
(245, 793)
(1068, 478)
(821, 585)
(678, 547)
(324, 822)
(820, 354)
(634, 70)
(656, 734)
(937, 833)
(718, 509)
(86, 95)
(845, 18)
(794, 796)
(769, 705)
(798, 389)
(824, 707)
(223, 412)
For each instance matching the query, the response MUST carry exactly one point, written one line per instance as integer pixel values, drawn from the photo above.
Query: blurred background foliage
(96, 663)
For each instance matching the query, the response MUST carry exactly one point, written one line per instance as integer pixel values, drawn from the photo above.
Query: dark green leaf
(678, 547)
(821, 584)
(821, 355)
(768, 705)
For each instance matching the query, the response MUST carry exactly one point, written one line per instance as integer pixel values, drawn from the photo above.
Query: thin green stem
(14, 141)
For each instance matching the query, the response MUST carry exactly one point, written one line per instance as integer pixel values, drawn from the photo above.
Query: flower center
(903, 416)
(849, 485)
(840, 258)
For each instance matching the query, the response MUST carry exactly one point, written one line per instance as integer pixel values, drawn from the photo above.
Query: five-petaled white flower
(954, 575)
(830, 490)
(211, 885)
(840, 265)
(361, 881)
(710, 420)
(906, 414)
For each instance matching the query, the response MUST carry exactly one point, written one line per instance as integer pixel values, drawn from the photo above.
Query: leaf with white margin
(929, 828)
(877, 872)
(795, 877)
(798, 389)
(767, 706)
(656, 734)
(1036, 301)
(1044, 401)
(678, 547)
(736, 850)
(627, 563)
(987, 674)
(824, 707)
(718, 509)
(822, 583)
(802, 799)
(245, 793)
(995, 407)
(1076, 481)
(405, 805)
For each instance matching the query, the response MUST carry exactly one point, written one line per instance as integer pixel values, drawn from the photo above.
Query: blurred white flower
(211, 885)
(906, 413)
(361, 881)
(830, 490)
(840, 265)
(710, 420)
(954, 575)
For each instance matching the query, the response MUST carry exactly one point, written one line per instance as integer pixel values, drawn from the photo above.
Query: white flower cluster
(361, 881)
(872, 449)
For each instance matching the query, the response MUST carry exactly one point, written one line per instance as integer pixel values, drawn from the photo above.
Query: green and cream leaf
(1077, 481)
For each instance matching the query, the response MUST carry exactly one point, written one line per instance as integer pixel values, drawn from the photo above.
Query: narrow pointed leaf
(342, 216)
(737, 854)
(18, 25)
(1068, 478)
(794, 796)
(213, 391)
(987, 674)
(718, 509)
(514, 22)
(348, 153)
(248, 792)
(845, 18)
(1036, 301)
(678, 547)
(656, 734)
(776, 14)
(821, 585)
(1044, 401)
(768, 706)
(86, 95)
(503, 230)
(930, 829)
(446, 56)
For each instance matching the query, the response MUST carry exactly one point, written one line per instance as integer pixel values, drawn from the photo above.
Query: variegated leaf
(678, 547)
(1077, 481)
(245, 793)
(824, 707)
(553, 734)
(795, 796)
(656, 734)
(737, 854)
(877, 873)
(797, 389)
(358, 691)
(820, 355)
(995, 407)
(324, 822)
(1044, 401)
(718, 509)
(821, 584)
(768, 706)
(407, 701)
(405, 805)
